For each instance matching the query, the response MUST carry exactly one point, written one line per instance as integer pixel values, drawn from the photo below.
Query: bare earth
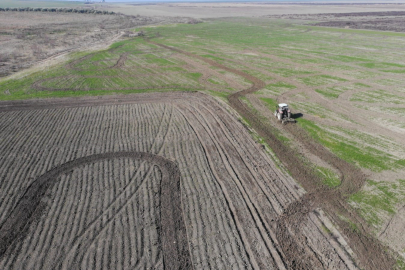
(102, 204)
(175, 180)
(26, 38)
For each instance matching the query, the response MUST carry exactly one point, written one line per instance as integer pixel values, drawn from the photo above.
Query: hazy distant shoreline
(318, 2)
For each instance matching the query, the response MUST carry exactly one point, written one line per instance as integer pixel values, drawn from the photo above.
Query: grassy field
(338, 79)
(351, 68)
(146, 68)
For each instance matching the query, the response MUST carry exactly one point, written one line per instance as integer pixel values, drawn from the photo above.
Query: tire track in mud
(176, 254)
(79, 255)
(370, 253)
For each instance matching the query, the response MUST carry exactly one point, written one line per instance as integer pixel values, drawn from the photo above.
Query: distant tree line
(65, 10)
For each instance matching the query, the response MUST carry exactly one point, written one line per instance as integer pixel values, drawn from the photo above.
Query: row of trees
(67, 10)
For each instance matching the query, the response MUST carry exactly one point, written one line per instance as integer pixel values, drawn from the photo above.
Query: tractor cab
(283, 113)
(283, 107)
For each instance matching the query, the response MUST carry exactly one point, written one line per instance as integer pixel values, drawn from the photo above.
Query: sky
(221, 1)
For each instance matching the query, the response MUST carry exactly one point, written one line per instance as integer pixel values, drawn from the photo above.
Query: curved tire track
(121, 61)
(334, 202)
(173, 233)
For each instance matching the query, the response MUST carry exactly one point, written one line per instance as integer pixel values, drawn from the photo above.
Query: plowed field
(152, 181)
(180, 180)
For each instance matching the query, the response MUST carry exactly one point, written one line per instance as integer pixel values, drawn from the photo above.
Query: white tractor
(283, 113)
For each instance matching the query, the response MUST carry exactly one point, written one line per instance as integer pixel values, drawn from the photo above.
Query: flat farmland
(345, 87)
(201, 175)
(150, 181)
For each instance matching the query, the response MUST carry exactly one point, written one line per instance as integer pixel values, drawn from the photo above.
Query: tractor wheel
(279, 116)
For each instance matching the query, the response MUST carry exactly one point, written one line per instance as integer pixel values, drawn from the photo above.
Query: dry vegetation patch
(28, 37)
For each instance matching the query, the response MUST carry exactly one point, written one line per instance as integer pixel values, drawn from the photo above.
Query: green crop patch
(174, 69)
(378, 200)
(153, 59)
(400, 265)
(340, 68)
(217, 81)
(222, 95)
(389, 82)
(216, 58)
(336, 91)
(331, 92)
(363, 156)
(127, 66)
(329, 177)
(194, 75)
(393, 70)
(350, 72)
(289, 72)
(258, 74)
(311, 108)
(398, 111)
(381, 65)
(346, 58)
(318, 80)
(377, 96)
(272, 103)
(239, 43)
(312, 61)
(276, 88)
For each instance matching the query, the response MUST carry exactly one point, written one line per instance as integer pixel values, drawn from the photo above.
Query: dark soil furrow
(235, 214)
(174, 238)
(270, 256)
(84, 233)
(251, 179)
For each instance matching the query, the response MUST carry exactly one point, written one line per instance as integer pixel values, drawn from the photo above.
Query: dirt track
(369, 252)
